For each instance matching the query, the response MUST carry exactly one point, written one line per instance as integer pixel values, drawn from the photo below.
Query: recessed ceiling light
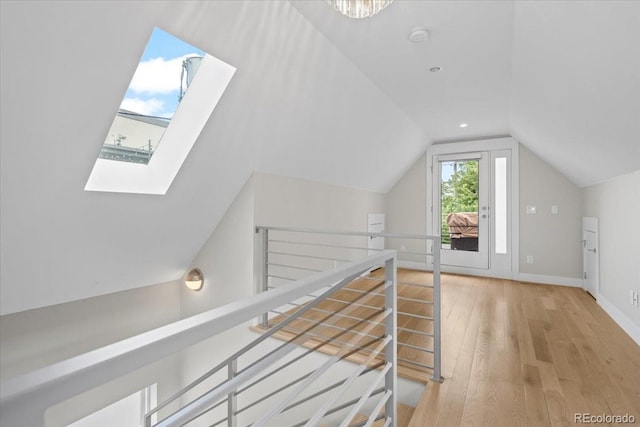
(463, 125)
(435, 69)
(419, 35)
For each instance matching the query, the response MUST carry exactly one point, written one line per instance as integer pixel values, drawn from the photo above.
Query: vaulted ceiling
(563, 77)
(316, 96)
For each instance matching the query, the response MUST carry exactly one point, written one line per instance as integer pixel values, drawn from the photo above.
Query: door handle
(592, 250)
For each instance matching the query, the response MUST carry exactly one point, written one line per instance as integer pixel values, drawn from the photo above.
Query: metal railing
(251, 370)
(288, 254)
(379, 366)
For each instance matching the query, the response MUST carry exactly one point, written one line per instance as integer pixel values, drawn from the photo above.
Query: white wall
(616, 203)
(227, 258)
(226, 261)
(36, 338)
(289, 202)
(554, 241)
(407, 210)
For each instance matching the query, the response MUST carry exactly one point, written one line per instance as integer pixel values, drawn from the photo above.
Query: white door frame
(502, 266)
(590, 224)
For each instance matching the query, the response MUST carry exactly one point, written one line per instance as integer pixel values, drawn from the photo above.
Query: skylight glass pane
(164, 73)
(151, 102)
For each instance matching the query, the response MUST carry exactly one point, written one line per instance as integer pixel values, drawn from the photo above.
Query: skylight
(172, 94)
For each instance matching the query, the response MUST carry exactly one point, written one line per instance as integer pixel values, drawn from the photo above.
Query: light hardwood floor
(527, 354)
(514, 354)
(356, 306)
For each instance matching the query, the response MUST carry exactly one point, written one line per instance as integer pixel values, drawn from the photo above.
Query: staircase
(413, 361)
(352, 308)
(404, 414)
(289, 254)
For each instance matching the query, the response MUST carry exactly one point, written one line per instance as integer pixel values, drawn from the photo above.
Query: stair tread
(405, 412)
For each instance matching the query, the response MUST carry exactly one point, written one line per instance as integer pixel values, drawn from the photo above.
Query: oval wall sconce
(194, 279)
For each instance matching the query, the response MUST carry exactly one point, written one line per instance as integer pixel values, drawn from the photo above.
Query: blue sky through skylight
(144, 149)
(155, 86)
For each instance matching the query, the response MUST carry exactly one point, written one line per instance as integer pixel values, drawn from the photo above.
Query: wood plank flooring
(405, 413)
(519, 354)
(513, 354)
(356, 306)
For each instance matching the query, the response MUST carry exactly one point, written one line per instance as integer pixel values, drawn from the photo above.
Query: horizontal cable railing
(298, 389)
(263, 383)
(289, 254)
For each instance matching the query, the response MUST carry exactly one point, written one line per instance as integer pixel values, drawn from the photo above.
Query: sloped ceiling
(576, 86)
(563, 77)
(470, 40)
(316, 96)
(295, 107)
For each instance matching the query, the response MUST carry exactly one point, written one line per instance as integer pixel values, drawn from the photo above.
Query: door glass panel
(500, 207)
(459, 204)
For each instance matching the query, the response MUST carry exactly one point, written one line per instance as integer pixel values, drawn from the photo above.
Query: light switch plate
(531, 210)
(554, 209)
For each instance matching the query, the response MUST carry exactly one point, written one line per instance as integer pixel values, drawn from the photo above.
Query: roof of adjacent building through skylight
(160, 117)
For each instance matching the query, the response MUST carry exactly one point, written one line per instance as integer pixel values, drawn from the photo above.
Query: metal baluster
(265, 272)
(391, 351)
(437, 350)
(232, 400)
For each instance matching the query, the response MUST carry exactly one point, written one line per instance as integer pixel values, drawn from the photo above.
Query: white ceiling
(470, 40)
(576, 86)
(316, 96)
(561, 76)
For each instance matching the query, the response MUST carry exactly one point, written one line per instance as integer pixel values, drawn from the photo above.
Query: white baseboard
(548, 280)
(412, 265)
(421, 266)
(620, 318)
(522, 277)
(478, 272)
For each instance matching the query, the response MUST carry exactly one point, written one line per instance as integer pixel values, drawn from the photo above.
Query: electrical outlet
(529, 259)
(403, 249)
(335, 264)
(635, 298)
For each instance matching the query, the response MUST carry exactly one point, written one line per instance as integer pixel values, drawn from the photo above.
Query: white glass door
(461, 208)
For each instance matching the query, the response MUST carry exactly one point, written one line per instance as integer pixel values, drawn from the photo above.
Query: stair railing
(287, 396)
(288, 254)
(24, 399)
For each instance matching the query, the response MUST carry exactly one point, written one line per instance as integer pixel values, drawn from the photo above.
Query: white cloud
(158, 75)
(148, 107)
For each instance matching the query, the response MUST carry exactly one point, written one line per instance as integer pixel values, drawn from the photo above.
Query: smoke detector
(419, 35)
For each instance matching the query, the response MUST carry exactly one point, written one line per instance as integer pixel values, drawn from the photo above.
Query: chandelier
(359, 8)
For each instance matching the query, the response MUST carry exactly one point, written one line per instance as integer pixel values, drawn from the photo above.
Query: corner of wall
(407, 200)
(226, 258)
(616, 204)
